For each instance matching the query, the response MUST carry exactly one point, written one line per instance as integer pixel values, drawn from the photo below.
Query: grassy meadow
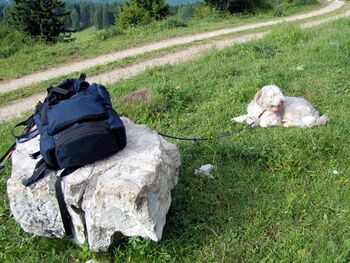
(279, 195)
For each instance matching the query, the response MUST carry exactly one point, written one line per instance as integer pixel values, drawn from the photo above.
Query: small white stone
(205, 171)
(300, 68)
(335, 172)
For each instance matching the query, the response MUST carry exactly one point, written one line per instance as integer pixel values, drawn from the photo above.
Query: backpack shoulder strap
(66, 218)
(39, 171)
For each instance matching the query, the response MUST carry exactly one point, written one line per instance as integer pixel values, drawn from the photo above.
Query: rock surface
(127, 193)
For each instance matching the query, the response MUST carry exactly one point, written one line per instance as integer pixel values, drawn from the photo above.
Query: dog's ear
(258, 97)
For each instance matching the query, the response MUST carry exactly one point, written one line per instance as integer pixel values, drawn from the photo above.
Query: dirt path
(17, 108)
(104, 59)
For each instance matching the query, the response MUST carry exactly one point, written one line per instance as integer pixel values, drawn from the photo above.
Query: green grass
(41, 56)
(275, 198)
(85, 35)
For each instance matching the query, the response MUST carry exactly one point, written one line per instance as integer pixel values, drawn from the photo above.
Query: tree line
(87, 14)
(80, 15)
(4, 9)
(84, 14)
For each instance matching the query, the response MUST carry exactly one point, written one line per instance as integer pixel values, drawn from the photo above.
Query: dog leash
(225, 135)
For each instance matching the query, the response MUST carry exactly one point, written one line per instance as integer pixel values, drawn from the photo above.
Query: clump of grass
(103, 35)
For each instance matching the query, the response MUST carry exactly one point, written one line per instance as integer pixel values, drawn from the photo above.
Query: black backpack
(77, 126)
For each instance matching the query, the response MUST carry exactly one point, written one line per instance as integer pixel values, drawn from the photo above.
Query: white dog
(289, 111)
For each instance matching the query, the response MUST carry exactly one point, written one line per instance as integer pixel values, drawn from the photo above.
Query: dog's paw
(242, 118)
(263, 124)
(237, 119)
(288, 124)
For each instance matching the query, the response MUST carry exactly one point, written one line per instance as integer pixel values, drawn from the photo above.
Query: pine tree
(108, 17)
(98, 23)
(1, 13)
(40, 18)
(157, 9)
(75, 19)
(105, 22)
(85, 15)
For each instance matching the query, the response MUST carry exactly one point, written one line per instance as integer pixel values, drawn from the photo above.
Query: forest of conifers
(84, 14)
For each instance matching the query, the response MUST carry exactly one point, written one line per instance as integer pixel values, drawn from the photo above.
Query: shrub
(202, 11)
(207, 12)
(131, 15)
(12, 40)
(280, 9)
(234, 6)
(185, 12)
(105, 34)
(172, 22)
(157, 9)
(304, 2)
(138, 12)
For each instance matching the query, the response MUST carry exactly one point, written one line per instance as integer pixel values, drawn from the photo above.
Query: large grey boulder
(127, 193)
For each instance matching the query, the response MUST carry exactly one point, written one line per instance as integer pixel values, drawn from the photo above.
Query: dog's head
(270, 98)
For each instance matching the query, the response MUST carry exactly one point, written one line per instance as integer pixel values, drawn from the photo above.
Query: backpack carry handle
(27, 133)
(66, 89)
(82, 76)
